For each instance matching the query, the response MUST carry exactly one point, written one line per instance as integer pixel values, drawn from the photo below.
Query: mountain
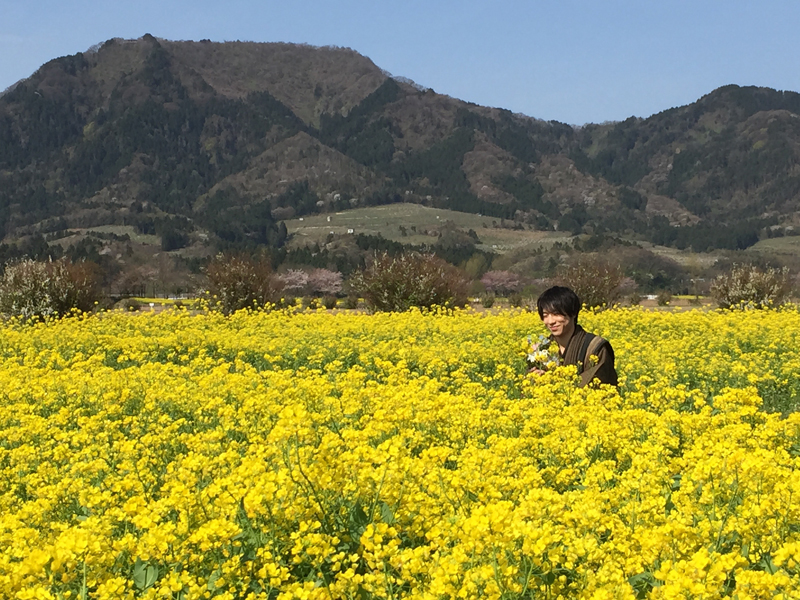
(149, 126)
(213, 145)
(730, 161)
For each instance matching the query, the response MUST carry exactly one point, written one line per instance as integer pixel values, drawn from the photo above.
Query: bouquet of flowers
(543, 354)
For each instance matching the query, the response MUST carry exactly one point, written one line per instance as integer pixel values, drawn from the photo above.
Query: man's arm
(602, 370)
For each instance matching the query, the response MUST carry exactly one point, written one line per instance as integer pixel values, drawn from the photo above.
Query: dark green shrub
(663, 298)
(487, 300)
(329, 302)
(286, 301)
(351, 302)
(396, 283)
(34, 289)
(747, 286)
(595, 280)
(516, 300)
(501, 282)
(238, 281)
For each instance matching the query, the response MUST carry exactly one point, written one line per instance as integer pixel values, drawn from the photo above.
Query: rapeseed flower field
(327, 456)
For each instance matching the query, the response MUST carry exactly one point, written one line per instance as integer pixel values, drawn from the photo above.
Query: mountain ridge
(217, 143)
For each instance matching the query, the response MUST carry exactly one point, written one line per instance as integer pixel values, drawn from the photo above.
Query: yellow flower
(398, 455)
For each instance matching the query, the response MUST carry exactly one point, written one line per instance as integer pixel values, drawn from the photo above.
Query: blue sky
(572, 61)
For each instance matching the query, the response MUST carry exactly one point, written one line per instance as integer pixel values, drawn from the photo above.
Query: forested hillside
(211, 146)
(729, 165)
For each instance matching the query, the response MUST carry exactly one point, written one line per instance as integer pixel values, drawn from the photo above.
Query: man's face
(556, 323)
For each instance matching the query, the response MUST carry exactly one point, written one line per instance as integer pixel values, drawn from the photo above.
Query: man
(558, 308)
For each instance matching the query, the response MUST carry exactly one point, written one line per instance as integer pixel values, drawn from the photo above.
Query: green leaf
(767, 565)
(358, 522)
(358, 516)
(151, 576)
(138, 573)
(548, 578)
(642, 584)
(212, 580)
(144, 574)
(669, 506)
(746, 550)
(387, 516)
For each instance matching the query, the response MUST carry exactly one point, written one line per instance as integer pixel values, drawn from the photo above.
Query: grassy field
(784, 245)
(416, 219)
(150, 240)
(686, 258)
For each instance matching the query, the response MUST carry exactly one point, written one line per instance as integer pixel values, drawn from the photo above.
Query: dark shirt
(601, 371)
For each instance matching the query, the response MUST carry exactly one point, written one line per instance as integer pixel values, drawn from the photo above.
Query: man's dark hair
(559, 300)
